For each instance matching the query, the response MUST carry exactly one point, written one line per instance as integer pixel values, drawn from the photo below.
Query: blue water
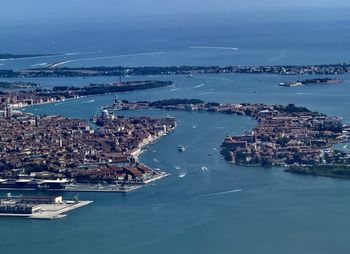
(298, 37)
(227, 208)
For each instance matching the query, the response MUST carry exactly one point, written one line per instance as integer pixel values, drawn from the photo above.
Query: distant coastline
(51, 70)
(8, 56)
(17, 85)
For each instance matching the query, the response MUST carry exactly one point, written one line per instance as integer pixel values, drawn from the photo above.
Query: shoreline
(120, 186)
(251, 149)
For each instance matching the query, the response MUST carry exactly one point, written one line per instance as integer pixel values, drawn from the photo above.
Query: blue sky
(90, 9)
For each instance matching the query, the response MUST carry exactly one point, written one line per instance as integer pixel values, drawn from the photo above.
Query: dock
(45, 208)
(57, 211)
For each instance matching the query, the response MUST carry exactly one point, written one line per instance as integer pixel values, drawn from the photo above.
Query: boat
(182, 172)
(291, 84)
(204, 168)
(181, 148)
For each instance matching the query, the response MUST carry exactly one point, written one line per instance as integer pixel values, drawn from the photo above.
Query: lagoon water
(216, 207)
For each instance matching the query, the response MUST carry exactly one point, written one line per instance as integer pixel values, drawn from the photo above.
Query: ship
(181, 148)
(291, 84)
(33, 184)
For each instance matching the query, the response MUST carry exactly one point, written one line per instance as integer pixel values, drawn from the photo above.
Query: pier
(38, 207)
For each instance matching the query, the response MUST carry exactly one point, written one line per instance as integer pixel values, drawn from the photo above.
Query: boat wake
(222, 193)
(107, 57)
(90, 101)
(61, 63)
(38, 65)
(72, 54)
(199, 86)
(208, 47)
(206, 93)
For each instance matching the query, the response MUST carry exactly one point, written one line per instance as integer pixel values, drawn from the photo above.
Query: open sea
(215, 207)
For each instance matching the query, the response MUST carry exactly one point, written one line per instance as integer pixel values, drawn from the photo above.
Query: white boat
(182, 172)
(204, 168)
(181, 148)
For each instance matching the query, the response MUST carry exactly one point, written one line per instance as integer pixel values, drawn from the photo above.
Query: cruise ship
(33, 184)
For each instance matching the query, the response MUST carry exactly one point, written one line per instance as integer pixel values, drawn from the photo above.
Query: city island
(289, 136)
(56, 153)
(60, 154)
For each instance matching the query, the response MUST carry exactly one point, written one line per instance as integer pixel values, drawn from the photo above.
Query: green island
(314, 81)
(335, 170)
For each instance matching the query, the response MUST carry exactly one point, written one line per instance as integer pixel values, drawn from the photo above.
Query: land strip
(322, 69)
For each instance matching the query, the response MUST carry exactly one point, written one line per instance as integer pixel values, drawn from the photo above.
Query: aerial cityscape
(193, 127)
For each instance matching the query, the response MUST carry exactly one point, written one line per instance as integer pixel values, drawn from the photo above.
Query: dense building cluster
(51, 147)
(284, 135)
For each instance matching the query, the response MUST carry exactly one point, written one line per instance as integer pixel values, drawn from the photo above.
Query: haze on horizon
(87, 9)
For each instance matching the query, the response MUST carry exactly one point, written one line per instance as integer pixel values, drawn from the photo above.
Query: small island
(314, 81)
